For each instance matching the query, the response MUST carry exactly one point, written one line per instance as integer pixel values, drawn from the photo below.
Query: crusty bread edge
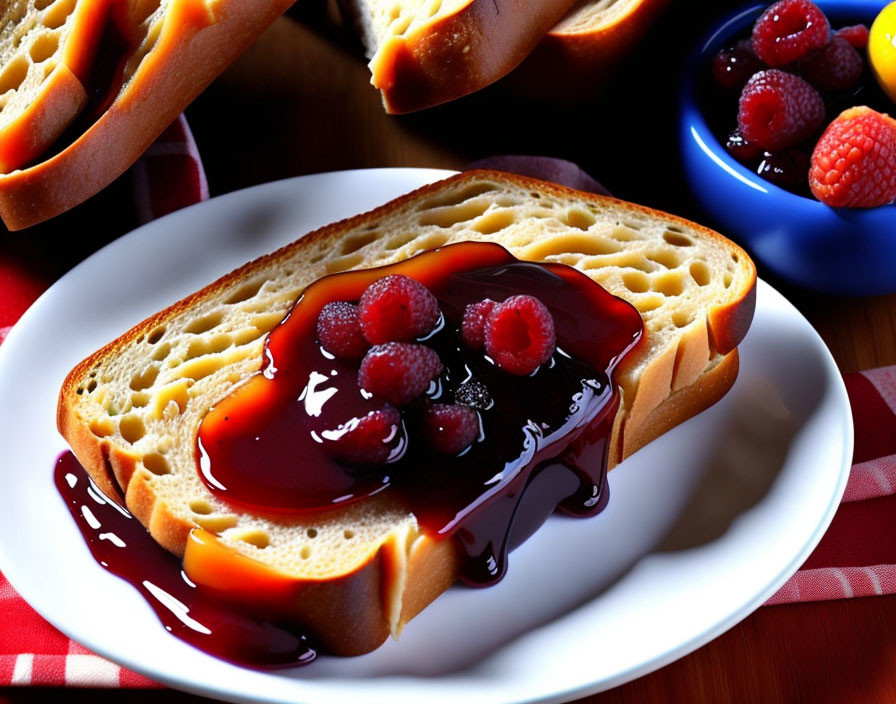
(61, 99)
(684, 403)
(61, 96)
(431, 566)
(185, 60)
(461, 52)
(568, 65)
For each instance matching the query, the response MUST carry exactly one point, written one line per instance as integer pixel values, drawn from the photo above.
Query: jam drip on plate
(265, 447)
(121, 544)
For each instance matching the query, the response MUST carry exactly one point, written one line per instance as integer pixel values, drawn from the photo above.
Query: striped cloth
(857, 556)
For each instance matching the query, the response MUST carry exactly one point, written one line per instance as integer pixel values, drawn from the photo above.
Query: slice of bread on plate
(426, 52)
(578, 53)
(47, 48)
(131, 411)
(174, 49)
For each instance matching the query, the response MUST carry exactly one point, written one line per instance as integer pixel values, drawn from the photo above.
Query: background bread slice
(426, 52)
(46, 51)
(180, 46)
(131, 410)
(578, 54)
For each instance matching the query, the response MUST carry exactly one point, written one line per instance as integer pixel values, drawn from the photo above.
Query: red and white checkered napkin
(857, 556)
(32, 652)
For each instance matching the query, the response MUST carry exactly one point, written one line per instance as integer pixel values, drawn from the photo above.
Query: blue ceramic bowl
(836, 250)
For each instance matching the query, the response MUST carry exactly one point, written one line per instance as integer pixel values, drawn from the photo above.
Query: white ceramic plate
(703, 524)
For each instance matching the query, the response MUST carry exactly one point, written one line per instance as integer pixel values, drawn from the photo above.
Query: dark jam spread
(121, 544)
(263, 447)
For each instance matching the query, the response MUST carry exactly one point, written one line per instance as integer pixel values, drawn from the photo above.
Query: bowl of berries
(788, 141)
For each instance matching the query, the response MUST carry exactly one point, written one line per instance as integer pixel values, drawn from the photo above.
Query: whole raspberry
(856, 35)
(835, 67)
(398, 372)
(519, 334)
(778, 110)
(732, 67)
(472, 327)
(788, 30)
(854, 162)
(369, 440)
(742, 150)
(397, 309)
(339, 330)
(450, 429)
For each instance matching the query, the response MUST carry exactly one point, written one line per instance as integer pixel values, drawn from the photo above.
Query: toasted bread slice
(178, 48)
(426, 52)
(46, 51)
(131, 410)
(578, 53)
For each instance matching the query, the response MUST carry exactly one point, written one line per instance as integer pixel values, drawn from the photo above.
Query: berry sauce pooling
(120, 543)
(264, 447)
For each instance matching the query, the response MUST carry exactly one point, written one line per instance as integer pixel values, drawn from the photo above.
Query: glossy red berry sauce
(268, 446)
(120, 543)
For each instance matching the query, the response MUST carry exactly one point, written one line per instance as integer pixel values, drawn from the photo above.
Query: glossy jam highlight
(121, 545)
(264, 447)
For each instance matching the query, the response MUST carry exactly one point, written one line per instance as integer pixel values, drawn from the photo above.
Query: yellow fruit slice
(882, 49)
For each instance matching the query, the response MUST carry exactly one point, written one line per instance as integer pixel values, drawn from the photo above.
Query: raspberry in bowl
(752, 131)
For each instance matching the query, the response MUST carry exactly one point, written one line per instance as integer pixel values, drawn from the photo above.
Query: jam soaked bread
(131, 411)
(161, 54)
(46, 51)
(426, 52)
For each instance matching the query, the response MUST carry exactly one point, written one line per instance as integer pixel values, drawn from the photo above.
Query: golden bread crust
(568, 63)
(461, 52)
(54, 101)
(61, 98)
(685, 403)
(193, 48)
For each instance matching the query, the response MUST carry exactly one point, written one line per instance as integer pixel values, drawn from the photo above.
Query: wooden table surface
(299, 102)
